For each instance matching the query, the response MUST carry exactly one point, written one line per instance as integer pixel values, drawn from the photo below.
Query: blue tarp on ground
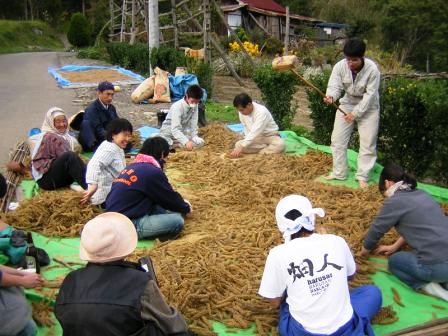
(179, 85)
(63, 82)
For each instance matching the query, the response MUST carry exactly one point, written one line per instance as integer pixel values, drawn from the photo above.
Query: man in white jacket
(180, 127)
(359, 78)
(260, 130)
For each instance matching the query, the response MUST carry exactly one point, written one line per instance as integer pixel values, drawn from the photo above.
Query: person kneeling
(260, 130)
(307, 277)
(143, 193)
(111, 296)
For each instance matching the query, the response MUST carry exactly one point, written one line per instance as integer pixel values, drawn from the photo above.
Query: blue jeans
(408, 269)
(366, 302)
(29, 330)
(159, 223)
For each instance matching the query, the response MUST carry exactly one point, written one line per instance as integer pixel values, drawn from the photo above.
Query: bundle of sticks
(20, 155)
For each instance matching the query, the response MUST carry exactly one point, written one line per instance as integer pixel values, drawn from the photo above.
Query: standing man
(180, 128)
(96, 117)
(307, 278)
(260, 130)
(359, 78)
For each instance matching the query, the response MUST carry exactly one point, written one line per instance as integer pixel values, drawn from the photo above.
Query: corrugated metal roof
(268, 5)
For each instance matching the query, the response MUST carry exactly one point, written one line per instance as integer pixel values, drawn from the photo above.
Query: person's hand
(364, 252)
(191, 208)
(386, 249)
(31, 280)
(86, 195)
(189, 145)
(349, 117)
(328, 100)
(237, 152)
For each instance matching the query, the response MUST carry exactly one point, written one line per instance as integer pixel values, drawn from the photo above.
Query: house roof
(269, 5)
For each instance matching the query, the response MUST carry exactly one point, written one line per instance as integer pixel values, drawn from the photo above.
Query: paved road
(27, 91)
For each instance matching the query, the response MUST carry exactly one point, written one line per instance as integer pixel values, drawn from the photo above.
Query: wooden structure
(266, 15)
(131, 20)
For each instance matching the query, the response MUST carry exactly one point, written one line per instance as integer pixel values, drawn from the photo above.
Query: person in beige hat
(111, 296)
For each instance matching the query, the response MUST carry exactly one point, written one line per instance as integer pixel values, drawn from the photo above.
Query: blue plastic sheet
(147, 131)
(63, 82)
(179, 85)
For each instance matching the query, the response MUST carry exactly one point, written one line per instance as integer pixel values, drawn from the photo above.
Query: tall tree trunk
(31, 9)
(26, 10)
(84, 7)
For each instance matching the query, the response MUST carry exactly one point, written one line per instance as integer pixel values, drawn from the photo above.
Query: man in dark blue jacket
(143, 193)
(96, 117)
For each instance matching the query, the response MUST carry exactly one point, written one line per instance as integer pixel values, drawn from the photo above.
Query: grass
(221, 112)
(21, 36)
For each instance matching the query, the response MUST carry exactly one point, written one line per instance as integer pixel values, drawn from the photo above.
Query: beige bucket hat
(109, 236)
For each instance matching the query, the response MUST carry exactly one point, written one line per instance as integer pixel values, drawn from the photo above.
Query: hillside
(21, 36)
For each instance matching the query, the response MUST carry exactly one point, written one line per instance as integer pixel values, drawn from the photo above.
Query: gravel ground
(138, 114)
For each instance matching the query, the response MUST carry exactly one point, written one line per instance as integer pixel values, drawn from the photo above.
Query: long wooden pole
(217, 47)
(176, 31)
(232, 32)
(286, 32)
(206, 30)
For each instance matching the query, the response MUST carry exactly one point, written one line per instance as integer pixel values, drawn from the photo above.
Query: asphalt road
(27, 91)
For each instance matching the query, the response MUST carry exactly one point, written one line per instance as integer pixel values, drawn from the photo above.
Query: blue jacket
(93, 127)
(139, 188)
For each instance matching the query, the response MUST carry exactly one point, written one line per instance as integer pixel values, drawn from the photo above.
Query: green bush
(167, 58)
(413, 125)
(93, 53)
(134, 57)
(273, 46)
(322, 114)
(204, 72)
(79, 31)
(277, 89)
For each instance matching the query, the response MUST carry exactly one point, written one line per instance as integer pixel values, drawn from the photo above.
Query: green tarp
(418, 308)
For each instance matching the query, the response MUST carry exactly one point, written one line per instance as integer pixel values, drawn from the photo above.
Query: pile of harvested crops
(214, 270)
(52, 213)
(94, 76)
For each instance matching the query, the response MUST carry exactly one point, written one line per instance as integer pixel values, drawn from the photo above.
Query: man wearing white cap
(307, 277)
(111, 296)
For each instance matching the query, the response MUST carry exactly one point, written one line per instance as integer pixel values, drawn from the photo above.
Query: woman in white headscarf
(54, 161)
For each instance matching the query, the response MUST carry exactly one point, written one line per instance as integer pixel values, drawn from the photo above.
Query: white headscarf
(48, 126)
(307, 219)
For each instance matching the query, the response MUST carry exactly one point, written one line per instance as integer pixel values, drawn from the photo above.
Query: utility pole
(153, 28)
(206, 30)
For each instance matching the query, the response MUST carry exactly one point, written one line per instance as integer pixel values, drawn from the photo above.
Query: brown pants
(264, 145)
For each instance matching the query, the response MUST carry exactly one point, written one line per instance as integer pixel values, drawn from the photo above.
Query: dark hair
(103, 86)
(242, 100)
(354, 47)
(156, 146)
(300, 233)
(393, 172)
(3, 186)
(117, 126)
(194, 91)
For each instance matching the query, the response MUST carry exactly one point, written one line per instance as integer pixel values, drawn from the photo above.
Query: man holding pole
(359, 78)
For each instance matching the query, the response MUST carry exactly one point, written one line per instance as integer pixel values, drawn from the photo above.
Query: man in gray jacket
(359, 78)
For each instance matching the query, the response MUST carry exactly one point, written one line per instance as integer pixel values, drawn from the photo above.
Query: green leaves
(277, 89)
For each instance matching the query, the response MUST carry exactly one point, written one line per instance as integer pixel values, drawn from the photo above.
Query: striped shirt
(105, 165)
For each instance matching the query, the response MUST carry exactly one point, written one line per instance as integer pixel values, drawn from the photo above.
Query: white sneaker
(76, 187)
(435, 289)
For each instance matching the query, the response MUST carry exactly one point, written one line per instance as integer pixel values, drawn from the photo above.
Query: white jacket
(258, 123)
(360, 95)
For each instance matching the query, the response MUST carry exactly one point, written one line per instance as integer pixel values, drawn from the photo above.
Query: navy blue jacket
(139, 188)
(93, 127)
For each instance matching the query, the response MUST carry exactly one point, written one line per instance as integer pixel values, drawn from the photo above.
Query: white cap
(306, 213)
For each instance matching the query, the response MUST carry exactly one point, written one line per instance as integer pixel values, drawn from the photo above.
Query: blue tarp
(62, 82)
(179, 85)
(147, 131)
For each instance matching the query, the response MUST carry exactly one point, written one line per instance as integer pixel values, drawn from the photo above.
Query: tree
(79, 31)
(419, 30)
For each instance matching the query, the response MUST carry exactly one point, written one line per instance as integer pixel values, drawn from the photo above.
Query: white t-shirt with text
(313, 270)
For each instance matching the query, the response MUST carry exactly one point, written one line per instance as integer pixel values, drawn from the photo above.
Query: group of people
(306, 277)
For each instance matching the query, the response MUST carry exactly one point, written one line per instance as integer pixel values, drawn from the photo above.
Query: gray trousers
(368, 132)
(264, 145)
